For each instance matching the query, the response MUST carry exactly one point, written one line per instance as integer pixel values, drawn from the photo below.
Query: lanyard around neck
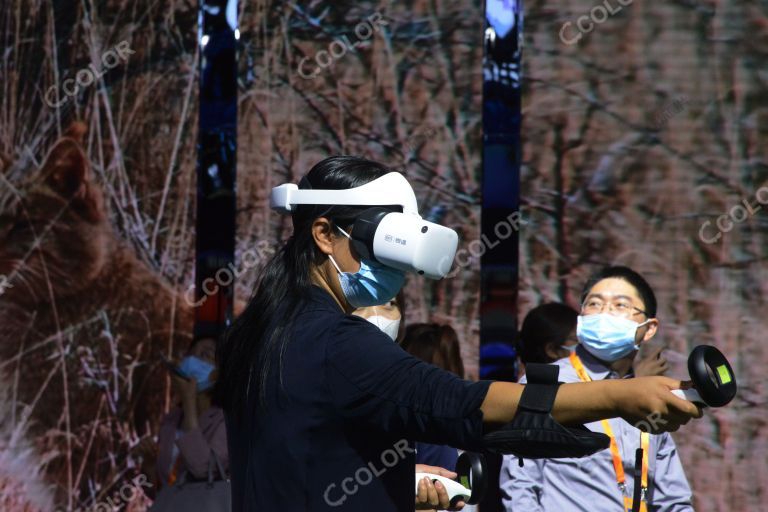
(615, 455)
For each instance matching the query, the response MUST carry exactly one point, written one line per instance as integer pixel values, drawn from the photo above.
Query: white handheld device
(472, 479)
(689, 394)
(455, 490)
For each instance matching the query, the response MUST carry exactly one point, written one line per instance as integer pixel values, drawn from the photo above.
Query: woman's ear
(322, 232)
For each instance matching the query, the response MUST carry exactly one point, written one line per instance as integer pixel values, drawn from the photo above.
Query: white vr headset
(401, 240)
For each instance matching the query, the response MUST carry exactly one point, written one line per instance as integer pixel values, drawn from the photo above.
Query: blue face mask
(373, 285)
(607, 337)
(198, 369)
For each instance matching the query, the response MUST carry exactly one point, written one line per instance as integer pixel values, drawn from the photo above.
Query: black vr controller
(714, 383)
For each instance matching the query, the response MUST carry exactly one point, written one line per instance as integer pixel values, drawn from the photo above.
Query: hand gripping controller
(714, 383)
(472, 479)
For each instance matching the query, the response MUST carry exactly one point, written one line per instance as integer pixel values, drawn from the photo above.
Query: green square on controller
(724, 374)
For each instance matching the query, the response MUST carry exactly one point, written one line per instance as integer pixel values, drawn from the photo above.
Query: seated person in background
(194, 428)
(618, 314)
(549, 334)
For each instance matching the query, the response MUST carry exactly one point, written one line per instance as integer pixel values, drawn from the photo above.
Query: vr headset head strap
(390, 189)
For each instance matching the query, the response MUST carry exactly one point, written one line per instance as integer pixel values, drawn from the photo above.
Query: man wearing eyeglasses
(618, 315)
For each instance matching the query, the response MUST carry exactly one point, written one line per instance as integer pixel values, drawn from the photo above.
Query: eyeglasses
(620, 307)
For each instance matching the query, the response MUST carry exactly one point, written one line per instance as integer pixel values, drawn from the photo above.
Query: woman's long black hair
(245, 353)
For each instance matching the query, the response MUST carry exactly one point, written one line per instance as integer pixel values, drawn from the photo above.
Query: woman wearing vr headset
(322, 406)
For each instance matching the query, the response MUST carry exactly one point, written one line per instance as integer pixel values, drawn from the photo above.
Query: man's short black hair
(642, 287)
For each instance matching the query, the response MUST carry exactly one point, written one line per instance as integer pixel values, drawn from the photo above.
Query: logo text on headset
(390, 238)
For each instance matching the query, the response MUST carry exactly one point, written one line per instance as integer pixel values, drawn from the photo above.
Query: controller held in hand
(714, 383)
(471, 483)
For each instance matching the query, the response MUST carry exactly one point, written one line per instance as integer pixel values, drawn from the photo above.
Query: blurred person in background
(618, 316)
(389, 317)
(195, 428)
(548, 333)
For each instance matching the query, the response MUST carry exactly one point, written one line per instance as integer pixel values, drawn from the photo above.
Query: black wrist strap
(540, 391)
(533, 433)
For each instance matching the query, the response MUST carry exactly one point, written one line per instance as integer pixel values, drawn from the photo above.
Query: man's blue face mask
(200, 370)
(607, 337)
(374, 284)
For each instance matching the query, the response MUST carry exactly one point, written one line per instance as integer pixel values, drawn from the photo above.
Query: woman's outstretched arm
(634, 400)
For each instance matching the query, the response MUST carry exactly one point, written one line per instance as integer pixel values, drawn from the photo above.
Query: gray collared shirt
(589, 483)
